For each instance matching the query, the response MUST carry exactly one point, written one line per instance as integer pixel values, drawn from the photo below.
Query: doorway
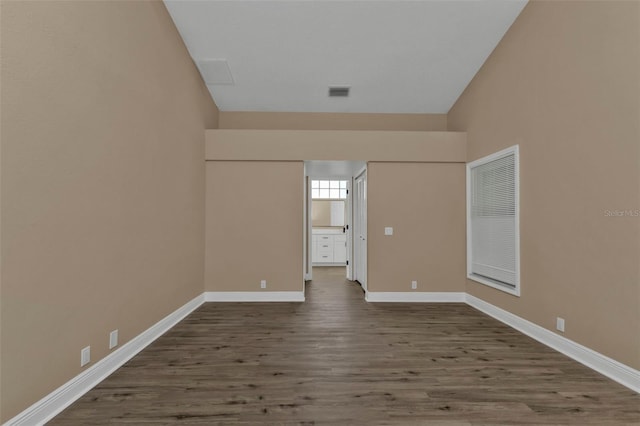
(330, 220)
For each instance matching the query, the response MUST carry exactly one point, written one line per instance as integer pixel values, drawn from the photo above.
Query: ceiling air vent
(340, 92)
(215, 71)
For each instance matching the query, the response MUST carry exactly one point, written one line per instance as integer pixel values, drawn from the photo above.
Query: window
(493, 252)
(329, 189)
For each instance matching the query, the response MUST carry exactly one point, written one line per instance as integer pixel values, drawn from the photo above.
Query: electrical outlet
(388, 230)
(263, 283)
(560, 324)
(414, 285)
(85, 356)
(113, 339)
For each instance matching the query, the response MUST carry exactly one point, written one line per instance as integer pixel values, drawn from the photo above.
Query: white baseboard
(48, 407)
(52, 404)
(254, 296)
(414, 296)
(604, 365)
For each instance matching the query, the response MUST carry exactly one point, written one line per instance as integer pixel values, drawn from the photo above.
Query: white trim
(514, 291)
(495, 156)
(320, 264)
(604, 365)
(515, 151)
(414, 296)
(52, 404)
(349, 229)
(254, 296)
(48, 407)
(306, 229)
(360, 230)
(359, 173)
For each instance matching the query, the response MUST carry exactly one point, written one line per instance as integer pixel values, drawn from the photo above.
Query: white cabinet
(329, 249)
(324, 248)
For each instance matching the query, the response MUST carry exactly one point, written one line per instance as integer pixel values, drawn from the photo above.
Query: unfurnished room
(278, 212)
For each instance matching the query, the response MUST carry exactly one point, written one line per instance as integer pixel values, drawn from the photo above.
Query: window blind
(493, 220)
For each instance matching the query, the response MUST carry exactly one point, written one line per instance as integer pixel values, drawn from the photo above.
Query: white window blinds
(492, 216)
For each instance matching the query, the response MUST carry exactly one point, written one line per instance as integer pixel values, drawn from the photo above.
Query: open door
(360, 229)
(348, 229)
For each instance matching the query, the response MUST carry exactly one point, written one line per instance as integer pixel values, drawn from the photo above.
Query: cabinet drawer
(324, 250)
(325, 257)
(324, 247)
(323, 254)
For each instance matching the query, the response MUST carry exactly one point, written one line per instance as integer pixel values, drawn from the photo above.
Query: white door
(360, 228)
(348, 228)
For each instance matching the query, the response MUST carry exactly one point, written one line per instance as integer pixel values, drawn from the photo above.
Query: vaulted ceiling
(396, 56)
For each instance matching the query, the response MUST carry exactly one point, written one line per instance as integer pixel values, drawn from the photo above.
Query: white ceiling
(397, 56)
(333, 169)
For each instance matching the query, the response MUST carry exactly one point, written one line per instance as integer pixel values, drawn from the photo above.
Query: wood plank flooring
(338, 360)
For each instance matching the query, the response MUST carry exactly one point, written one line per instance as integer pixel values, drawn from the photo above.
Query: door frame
(360, 229)
(307, 232)
(308, 240)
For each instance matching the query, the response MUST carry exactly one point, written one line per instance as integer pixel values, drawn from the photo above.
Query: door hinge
(347, 263)
(347, 226)
(347, 192)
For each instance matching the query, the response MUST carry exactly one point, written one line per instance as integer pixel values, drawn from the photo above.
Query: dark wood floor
(336, 359)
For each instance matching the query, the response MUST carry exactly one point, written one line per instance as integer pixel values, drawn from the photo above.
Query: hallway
(330, 286)
(337, 359)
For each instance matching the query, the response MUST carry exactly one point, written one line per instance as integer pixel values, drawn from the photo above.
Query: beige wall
(425, 205)
(299, 145)
(321, 214)
(251, 137)
(103, 114)
(254, 225)
(563, 84)
(331, 121)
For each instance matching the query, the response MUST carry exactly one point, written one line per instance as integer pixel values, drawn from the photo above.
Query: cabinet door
(340, 250)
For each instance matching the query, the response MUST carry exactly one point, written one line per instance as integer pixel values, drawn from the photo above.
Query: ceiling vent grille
(339, 92)
(215, 71)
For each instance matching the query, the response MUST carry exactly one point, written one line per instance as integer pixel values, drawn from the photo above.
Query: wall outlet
(113, 339)
(414, 285)
(85, 356)
(388, 230)
(560, 324)
(263, 283)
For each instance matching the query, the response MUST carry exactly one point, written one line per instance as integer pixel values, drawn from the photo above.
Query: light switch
(388, 230)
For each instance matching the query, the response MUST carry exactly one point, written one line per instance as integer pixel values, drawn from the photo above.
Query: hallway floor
(339, 360)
